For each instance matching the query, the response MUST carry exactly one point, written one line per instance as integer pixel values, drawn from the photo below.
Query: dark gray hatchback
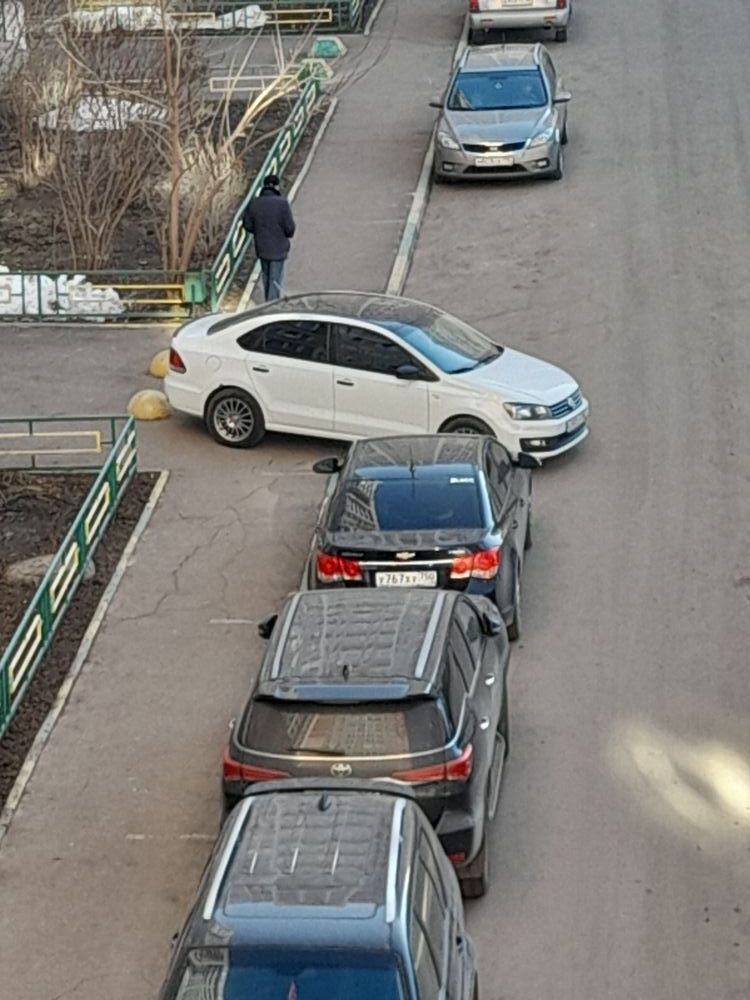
(408, 685)
(325, 891)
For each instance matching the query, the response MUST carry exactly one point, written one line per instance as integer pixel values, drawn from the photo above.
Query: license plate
(414, 578)
(494, 161)
(575, 423)
(517, 3)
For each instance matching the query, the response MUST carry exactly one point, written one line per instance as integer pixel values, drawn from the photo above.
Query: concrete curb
(41, 738)
(255, 273)
(373, 18)
(407, 246)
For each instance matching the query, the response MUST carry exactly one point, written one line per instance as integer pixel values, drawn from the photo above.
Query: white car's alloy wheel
(234, 419)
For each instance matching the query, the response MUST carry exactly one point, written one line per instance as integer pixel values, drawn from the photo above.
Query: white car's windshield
(452, 346)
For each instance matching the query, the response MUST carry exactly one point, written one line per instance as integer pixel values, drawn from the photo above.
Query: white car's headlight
(447, 141)
(542, 138)
(526, 411)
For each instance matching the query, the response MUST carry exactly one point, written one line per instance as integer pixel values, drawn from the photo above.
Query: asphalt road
(621, 853)
(622, 849)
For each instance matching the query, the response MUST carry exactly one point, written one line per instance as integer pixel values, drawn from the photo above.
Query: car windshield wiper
(480, 361)
(328, 752)
(489, 357)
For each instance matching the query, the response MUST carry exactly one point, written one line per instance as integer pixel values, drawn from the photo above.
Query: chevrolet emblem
(403, 556)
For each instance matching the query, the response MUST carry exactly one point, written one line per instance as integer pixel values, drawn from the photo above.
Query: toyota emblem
(341, 770)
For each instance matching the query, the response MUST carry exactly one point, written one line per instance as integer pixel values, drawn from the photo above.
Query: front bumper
(547, 438)
(539, 161)
(536, 17)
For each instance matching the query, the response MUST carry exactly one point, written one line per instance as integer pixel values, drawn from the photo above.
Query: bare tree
(107, 119)
(203, 139)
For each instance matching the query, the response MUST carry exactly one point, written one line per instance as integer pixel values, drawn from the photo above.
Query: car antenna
(324, 803)
(345, 671)
(411, 462)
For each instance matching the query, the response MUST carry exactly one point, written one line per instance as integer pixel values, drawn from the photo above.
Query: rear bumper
(536, 17)
(460, 832)
(183, 396)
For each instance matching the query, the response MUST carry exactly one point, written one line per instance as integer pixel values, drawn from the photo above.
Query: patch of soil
(32, 236)
(36, 511)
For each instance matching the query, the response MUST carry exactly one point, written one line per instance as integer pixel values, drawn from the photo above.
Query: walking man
(268, 218)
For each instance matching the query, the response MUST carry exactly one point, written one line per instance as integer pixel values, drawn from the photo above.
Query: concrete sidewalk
(105, 851)
(352, 207)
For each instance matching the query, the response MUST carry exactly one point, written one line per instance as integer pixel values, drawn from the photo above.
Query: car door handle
(261, 368)
(484, 723)
(490, 680)
(515, 524)
(344, 381)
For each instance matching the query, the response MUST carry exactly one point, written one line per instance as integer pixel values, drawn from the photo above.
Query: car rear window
(409, 504)
(367, 729)
(498, 90)
(289, 974)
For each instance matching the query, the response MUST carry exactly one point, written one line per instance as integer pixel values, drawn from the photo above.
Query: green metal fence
(100, 296)
(237, 241)
(31, 639)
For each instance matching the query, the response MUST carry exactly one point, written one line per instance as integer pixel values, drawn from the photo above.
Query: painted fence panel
(29, 642)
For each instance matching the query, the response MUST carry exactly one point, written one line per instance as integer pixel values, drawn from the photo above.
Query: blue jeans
(273, 278)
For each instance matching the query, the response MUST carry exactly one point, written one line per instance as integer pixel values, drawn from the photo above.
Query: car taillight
(233, 770)
(562, 4)
(458, 769)
(176, 363)
(482, 565)
(474, 5)
(334, 569)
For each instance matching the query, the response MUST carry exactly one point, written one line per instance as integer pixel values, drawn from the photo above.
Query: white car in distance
(348, 365)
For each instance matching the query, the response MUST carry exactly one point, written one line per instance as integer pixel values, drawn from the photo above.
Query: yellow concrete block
(159, 366)
(149, 404)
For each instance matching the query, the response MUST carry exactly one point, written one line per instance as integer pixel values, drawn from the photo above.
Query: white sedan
(352, 364)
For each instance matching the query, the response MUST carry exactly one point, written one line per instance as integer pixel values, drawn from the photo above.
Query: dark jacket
(269, 219)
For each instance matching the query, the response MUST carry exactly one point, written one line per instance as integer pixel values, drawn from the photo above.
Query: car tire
(476, 881)
(227, 805)
(561, 35)
(557, 173)
(514, 627)
(564, 134)
(528, 540)
(465, 425)
(234, 419)
(475, 993)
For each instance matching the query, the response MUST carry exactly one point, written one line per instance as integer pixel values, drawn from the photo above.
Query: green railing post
(4, 698)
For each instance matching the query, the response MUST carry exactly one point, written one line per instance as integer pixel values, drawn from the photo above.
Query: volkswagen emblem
(403, 556)
(341, 770)
(572, 402)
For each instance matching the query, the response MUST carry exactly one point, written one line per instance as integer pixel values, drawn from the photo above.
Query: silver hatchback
(505, 115)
